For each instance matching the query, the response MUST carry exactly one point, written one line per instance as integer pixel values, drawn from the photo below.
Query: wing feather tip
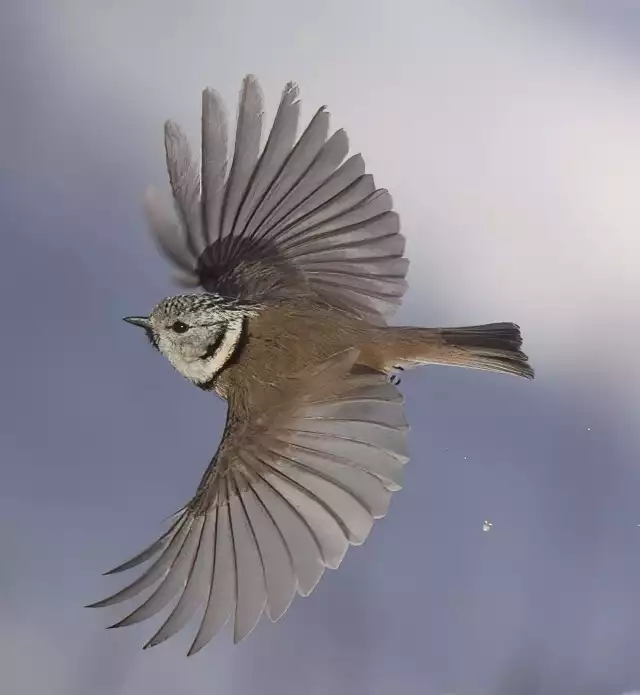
(172, 130)
(197, 645)
(116, 570)
(239, 636)
(275, 616)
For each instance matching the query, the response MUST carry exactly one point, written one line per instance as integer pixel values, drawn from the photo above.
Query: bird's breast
(285, 339)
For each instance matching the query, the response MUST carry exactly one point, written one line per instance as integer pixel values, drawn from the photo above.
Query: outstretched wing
(282, 499)
(291, 218)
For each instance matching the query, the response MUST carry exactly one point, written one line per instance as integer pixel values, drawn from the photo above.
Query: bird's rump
(283, 498)
(294, 217)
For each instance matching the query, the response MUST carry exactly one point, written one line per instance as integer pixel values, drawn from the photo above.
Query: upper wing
(281, 500)
(292, 217)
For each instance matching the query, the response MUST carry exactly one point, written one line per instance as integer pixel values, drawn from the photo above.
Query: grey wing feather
(214, 160)
(184, 177)
(246, 153)
(250, 233)
(277, 506)
(169, 234)
(279, 145)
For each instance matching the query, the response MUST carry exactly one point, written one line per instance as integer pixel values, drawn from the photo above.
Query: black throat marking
(233, 358)
(214, 347)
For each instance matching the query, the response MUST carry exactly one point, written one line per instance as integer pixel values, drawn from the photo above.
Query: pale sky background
(509, 136)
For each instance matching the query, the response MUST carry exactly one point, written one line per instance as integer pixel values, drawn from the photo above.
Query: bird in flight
(295, 261)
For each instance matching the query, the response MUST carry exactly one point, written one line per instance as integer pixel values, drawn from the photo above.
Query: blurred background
(509, 136)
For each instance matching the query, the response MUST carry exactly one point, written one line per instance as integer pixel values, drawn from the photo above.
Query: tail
(494, 346)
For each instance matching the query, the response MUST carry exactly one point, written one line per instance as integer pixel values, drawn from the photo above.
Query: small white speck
(588, 429)
(465, 458)
(486, 525)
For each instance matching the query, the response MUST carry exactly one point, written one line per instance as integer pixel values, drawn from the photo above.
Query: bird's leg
(394, 378)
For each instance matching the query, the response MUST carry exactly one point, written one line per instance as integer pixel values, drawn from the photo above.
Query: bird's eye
(180, 327)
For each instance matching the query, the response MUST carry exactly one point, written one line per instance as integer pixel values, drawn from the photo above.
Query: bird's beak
(141, 321)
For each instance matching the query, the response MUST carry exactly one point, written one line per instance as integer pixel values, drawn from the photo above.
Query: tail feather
(493, 346)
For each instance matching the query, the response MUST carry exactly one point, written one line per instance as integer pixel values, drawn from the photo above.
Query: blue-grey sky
(509, 136)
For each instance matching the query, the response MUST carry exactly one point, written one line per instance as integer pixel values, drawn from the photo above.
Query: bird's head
(198, 333)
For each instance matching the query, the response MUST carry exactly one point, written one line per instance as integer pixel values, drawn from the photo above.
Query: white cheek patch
(197, 371)
(201, 370)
